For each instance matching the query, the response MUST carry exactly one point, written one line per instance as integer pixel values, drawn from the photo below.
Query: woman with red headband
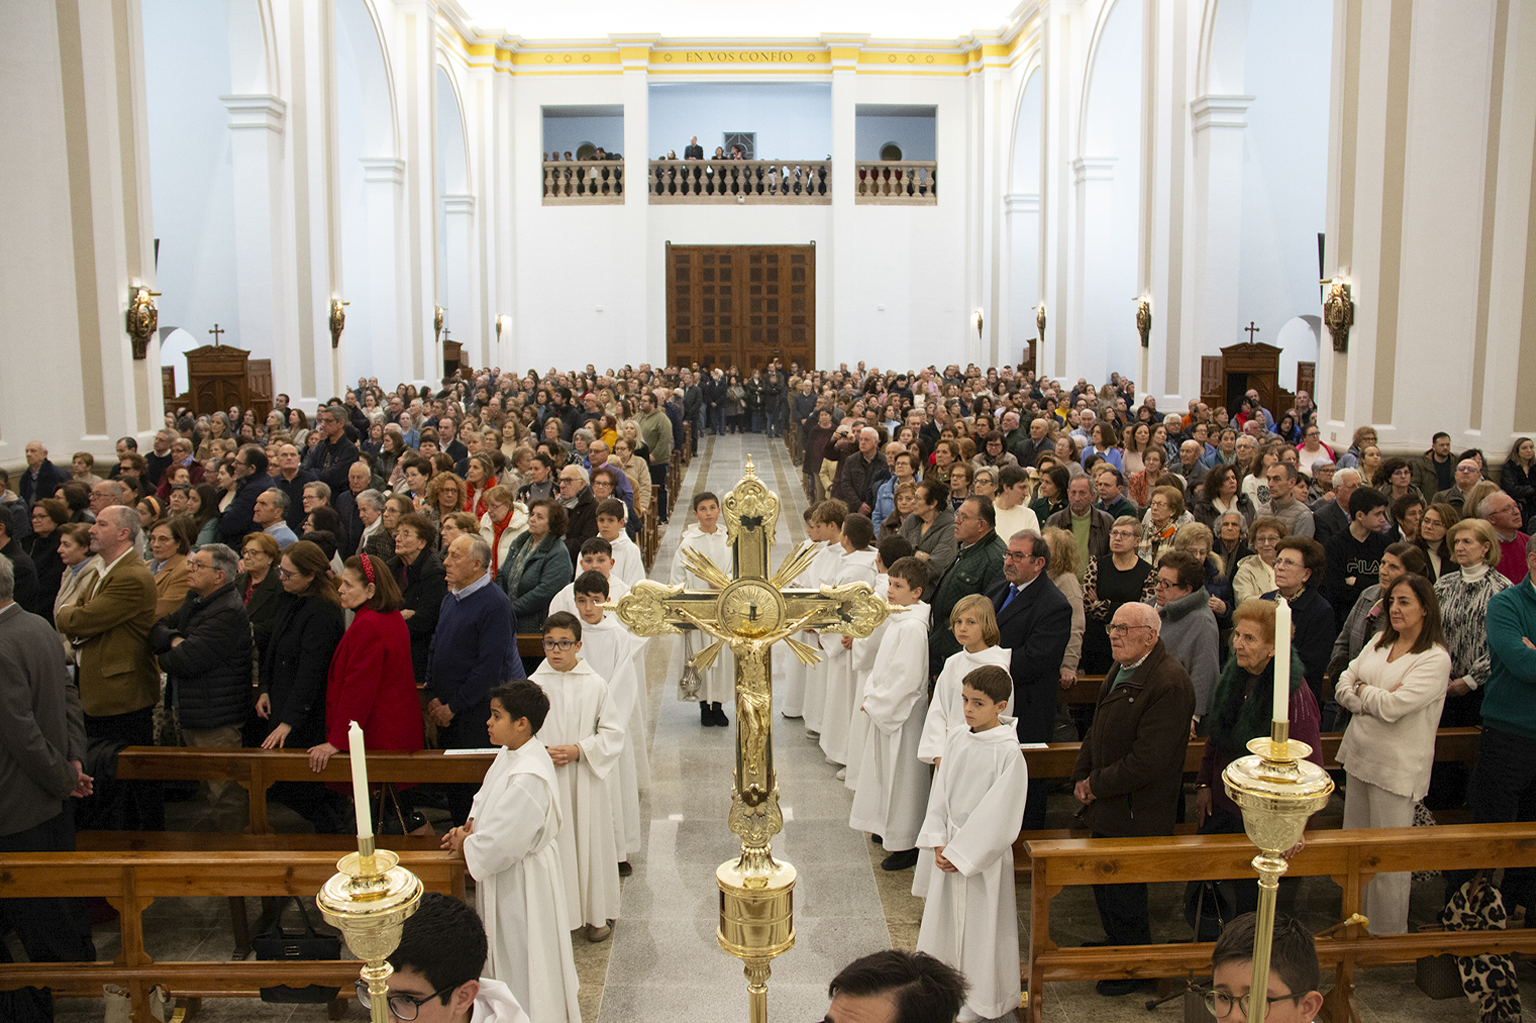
(371, 679)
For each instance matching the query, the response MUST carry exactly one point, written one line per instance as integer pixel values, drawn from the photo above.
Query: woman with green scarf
(1240, 710)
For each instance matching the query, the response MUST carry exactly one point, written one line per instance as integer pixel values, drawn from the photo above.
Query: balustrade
(786, 182)
(583, 182)
(897, 182)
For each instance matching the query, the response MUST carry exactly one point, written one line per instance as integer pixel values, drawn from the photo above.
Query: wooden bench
(1350, 858)
(131, 880)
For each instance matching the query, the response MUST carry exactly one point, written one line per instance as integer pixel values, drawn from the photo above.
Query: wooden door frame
(753, 311)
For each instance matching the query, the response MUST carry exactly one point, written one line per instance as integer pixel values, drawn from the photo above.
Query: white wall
(1285, 167)
(186, 70)
(1024, 219)
(917, 136)
(792, 121)
(568, 134)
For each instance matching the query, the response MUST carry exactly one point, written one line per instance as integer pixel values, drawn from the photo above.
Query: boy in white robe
(585, 738)
(857, 566)
(825, 526)
(717, 683)
(974, 813)
(616, 654)
(436, 976)
(974, 624)
(893, 784)
(511, 847)
(628, 565)
(596, 556)
(791, 692)
(889, 551)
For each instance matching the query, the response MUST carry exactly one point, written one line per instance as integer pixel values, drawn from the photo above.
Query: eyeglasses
(559, 644)
(404, 1006)
(1219, 1003)
(1164, 584)
(1017, 556)
(1121, 630)
(1121, 534)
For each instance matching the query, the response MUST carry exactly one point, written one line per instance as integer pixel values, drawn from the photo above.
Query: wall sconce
(1040, 321)
(437, 321)
(976, 318)
(143, 318)
(1338, 312)
(1144, 320)
(503, 322)
(338, 321)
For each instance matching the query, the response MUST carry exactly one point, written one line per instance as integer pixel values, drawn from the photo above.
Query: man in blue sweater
(473, 649)
(1503, 786)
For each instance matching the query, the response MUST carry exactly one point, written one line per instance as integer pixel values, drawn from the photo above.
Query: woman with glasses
(960, 476)
(1109, 582)
(294, 669)
(1256, 572)
(170, 541)
(1434, 538)
(1300, 565)
(1394, 690)
(1312, 450)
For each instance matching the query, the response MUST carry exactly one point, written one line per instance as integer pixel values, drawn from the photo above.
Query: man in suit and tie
(109, 624)
(1034, 620)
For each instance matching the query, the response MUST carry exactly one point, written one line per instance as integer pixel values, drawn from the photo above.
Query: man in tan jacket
(109, 624)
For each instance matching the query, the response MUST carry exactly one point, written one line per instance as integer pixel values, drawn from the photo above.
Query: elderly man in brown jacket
(1131, 768)
(109, 625)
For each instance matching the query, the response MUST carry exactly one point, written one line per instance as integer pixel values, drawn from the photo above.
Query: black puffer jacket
(209, 673)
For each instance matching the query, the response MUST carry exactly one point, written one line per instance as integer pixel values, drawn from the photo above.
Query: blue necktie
(1013, 591)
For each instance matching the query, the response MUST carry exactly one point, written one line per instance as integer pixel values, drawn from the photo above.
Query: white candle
(1282, 709)
(359, 780)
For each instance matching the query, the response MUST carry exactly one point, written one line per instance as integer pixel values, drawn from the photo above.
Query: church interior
(243, 200)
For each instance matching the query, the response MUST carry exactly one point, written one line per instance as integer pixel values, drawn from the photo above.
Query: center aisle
(665, 964)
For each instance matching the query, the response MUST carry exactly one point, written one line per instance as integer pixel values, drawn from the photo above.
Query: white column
(1064, 40)
(256, 124)
(640, 324)
(838, 268)
(1092, 313)
(1216, 236)
(461, 285)
(413, 62)
(1023, 276)
(388, 334)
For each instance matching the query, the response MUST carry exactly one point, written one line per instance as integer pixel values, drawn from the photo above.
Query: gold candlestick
(1277, 789)
(368, 900)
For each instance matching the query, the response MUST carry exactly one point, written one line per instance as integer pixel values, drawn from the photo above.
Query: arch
(453, 163)
(175, 343)
(1223, 48)
(253, 50)
(1090, 68)
(361, 47)
(890, 151)
(1028, 114)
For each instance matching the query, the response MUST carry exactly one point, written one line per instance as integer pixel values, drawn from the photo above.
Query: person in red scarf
(479, 477)
(504, 520)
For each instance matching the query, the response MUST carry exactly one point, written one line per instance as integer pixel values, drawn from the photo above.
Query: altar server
(975, 627)
(717, 683)
(825, 526)
(596, 556)
(856, 566)
(791, 692)
(618, 655)
(893, 784)
(888, 552)
(974, 812)
(585, 738)
(628, 565)
(511, 848)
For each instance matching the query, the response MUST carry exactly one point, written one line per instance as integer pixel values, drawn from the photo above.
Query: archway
(1107, 177)
(1023, 208)
(175, 343)
(458, 283)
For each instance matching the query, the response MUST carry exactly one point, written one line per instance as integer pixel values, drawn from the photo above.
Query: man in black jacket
(861, 472)
(238, 519)
(28, 591)
(693, 405)
(330, 459)
(41, 478)
(423, 585)
(714, 401)
(1035, 623)
(205, 649)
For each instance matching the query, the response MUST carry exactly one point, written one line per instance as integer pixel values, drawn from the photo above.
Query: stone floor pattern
(662, 963)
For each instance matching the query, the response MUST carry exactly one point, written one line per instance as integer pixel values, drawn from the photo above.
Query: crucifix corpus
(751, 610)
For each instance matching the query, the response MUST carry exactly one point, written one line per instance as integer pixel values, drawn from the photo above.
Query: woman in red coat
(371, 679)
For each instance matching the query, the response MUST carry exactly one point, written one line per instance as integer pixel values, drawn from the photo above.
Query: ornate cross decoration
(216, 331)
(751, 610)
(1251, 330)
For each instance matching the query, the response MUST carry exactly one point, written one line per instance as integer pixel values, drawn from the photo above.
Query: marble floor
(662, 963)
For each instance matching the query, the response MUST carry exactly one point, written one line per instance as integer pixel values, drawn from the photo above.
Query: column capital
(259, 110)
(1220, 112)
(634, 48)
(1093, 168)
(458, 204)
(1022, 202)
(383, 168)
(844, 48)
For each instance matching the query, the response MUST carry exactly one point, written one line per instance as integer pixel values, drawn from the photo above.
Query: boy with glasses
(1292, 996)
(437, 969)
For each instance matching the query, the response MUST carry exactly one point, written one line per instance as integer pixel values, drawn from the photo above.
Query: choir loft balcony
(583, 183)
(718, 182)
(897, 183)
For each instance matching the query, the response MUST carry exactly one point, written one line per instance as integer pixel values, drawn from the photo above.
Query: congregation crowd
(263, 580)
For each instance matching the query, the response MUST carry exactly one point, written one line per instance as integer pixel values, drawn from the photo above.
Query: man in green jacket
(977, 568)
(656, 434)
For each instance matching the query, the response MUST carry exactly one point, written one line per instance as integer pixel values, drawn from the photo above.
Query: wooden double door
(741, 305)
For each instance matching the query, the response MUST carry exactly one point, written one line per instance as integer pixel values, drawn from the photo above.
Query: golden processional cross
(751, 610)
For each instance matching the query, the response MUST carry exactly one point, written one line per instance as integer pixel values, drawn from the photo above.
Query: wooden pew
(131, 880)
(1351, 858)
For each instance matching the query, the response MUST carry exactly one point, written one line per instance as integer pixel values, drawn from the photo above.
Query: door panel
(741, 305)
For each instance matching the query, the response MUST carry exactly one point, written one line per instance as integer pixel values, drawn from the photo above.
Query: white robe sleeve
(994, 825)
(937, 725)
(511, 826)
(601, 750)
(935, 829)
(899, 679)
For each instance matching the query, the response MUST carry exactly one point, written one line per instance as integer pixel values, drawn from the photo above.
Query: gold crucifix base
(756, 924)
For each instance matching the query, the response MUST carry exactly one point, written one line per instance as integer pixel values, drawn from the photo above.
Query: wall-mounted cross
(1251, 330)
(216, 331)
